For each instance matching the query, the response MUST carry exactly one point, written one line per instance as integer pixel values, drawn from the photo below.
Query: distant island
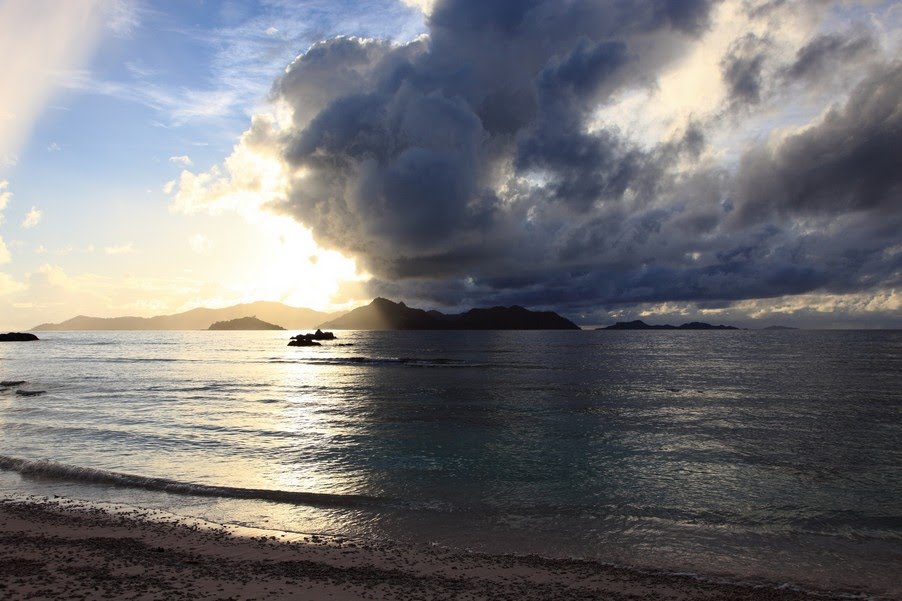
(383, 314)
(638, 324)
(244, 323)
(293, 318)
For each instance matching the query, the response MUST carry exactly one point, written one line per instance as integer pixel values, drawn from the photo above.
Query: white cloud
(205, 104)
(138, 70)
(181, 160)
(5, 195)
(40, 249)
(32, 218)
(424, 5)
(253, 175)
(693, 89)
(169, 186)
(243, 56)
(122, 249)
(54, 147)
(179, 105)
(70, 250)
(881, 307)
(8, 285)
(880, 301)
(5, 257)
(124, 16)
(200, 244)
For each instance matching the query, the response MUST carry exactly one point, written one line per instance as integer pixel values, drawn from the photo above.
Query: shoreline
(63, 548)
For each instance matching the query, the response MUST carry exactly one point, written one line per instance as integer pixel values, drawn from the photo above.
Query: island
(17, 337)
(292, 318)
(383, 314)
(638, 324)
(244, 323)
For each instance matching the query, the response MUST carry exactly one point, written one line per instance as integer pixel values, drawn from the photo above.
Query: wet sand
(60, 549)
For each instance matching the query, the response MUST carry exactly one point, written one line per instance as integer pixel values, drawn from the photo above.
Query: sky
(731, 161)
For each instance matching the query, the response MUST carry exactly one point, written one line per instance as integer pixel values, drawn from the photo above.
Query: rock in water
(17, 337)
(308, 339)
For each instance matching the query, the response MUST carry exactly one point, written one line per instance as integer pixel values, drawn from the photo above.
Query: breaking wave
(61, 471)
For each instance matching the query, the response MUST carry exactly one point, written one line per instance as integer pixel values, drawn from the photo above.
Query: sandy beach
(62, 549)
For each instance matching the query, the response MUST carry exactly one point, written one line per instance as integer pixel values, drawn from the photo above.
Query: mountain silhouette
(292, 318)
(383, 314)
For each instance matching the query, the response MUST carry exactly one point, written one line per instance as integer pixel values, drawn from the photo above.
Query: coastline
(62, 548)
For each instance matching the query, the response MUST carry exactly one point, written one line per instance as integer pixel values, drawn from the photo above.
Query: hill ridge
(383, 314)
(198, 318)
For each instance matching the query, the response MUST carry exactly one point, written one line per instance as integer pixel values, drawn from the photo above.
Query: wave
(356, 360)
(141, 359)
(61, 471)
(826, 524)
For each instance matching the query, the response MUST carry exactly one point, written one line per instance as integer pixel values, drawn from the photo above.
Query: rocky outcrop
(310, 339)
(17, 337)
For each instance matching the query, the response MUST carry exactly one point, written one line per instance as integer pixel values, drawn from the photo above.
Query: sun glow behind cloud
(288, 266)
(282, 262)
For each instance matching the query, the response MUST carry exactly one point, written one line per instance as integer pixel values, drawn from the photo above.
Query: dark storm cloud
(403, 146)
(827, 51)
(467, 167)
(769, 9)
(743, 69)
(849, 162)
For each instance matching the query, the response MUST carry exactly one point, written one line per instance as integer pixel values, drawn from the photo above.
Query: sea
(740, 455)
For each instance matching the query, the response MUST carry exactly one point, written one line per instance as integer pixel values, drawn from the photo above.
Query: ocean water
(748, 454)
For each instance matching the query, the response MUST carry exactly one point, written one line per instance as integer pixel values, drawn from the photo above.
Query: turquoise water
(751, 454)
